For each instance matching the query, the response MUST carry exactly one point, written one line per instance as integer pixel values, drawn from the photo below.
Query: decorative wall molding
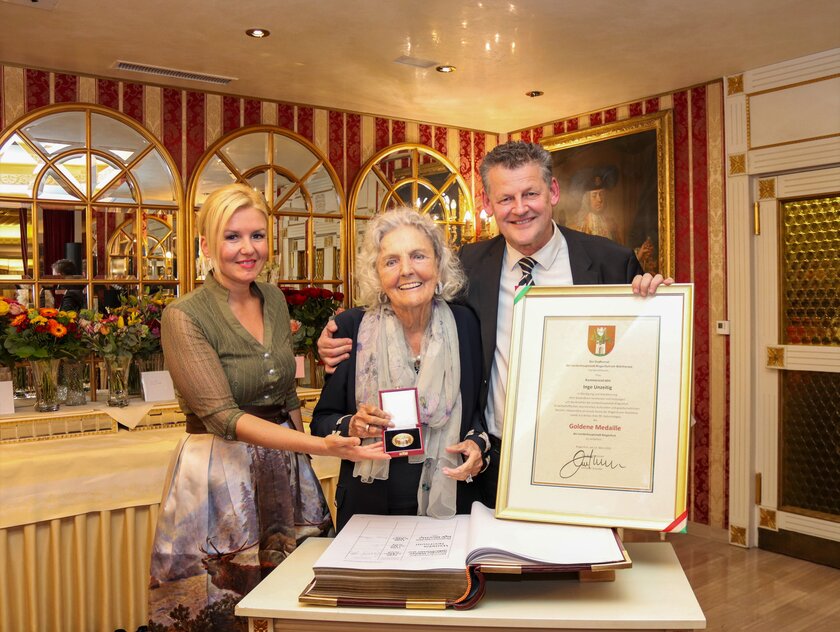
(767, 189)
(804, 358)
(734, 85)
(804, 155)
(805, 524)
(816, 182)
(737, 164)
(737, 535)
(794, 71)
(767, 518)
(775, 357)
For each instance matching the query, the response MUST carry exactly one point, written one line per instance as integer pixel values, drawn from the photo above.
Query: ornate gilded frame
(630, 157)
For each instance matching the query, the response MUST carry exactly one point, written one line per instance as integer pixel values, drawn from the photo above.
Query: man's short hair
(515, 154)
(64, 267)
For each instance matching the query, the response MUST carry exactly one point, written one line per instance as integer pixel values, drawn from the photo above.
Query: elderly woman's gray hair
(450, 273)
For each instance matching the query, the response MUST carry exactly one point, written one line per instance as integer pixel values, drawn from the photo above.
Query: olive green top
(217, 366)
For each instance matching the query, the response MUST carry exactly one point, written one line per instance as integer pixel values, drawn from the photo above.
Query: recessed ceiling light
(534, 93)
(445, 68)
(258, 33)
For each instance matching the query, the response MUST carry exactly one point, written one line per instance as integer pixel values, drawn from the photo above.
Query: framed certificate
(597, 407)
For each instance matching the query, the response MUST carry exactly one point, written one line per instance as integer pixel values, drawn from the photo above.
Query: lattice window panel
(810, 267)
(810, 451)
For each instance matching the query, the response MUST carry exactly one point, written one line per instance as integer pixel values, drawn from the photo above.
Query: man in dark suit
(519, 192)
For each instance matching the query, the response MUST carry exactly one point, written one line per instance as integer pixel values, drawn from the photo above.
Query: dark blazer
(594, 261)
(338, 403)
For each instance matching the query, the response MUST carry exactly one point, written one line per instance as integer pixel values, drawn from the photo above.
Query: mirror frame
(241, 175)
(89, 200)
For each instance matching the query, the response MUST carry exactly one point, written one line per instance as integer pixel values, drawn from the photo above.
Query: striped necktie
(527, 264)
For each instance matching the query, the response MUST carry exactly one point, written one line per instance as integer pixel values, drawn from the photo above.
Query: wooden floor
(752, 590)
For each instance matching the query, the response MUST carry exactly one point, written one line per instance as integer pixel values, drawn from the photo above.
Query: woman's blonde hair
(220, 206)
(450, 274)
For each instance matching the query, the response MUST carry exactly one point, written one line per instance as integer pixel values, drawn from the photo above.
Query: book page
(513, 541)
(398, 543)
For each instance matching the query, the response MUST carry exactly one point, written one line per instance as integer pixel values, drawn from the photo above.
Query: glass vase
(151, 362)
(316, 372)
(72, 384)
(45, 379)
(116, 368)
(141, 364)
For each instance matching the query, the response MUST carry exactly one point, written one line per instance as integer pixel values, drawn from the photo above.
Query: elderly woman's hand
(348, 448)
(368, 421)
(473, 461)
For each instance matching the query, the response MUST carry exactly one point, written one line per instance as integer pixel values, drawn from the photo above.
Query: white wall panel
(797, 113)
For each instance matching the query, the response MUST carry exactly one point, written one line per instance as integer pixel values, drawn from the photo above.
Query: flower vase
(45, 378)
(316, 372)
(116, 368)
(150, 362)
(19, 375)
(72, 384)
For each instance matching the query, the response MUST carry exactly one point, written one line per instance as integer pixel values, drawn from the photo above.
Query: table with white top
(652, 595)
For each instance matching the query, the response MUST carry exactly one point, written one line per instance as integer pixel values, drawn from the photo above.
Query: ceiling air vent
(415, 61)
(173, 73)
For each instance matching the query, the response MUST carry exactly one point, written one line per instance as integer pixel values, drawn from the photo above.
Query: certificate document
(596, 418)
(597, 405)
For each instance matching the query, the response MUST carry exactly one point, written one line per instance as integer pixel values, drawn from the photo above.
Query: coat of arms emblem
(601, 339)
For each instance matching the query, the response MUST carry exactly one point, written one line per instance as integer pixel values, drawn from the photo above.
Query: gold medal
(403, 440)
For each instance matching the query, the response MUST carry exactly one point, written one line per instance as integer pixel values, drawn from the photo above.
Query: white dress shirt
(552, 268)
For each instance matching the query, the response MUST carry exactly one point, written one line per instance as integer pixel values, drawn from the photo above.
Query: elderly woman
(407, 335)
(239, 499)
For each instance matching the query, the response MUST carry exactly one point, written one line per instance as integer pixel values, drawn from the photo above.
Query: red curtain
(58, 230)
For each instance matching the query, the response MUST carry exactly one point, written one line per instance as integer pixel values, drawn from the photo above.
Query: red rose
(326, 294)
(338, 296)
(296, 299)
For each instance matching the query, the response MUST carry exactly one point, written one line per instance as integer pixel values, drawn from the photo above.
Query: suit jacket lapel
(583, 270)
(487, 297)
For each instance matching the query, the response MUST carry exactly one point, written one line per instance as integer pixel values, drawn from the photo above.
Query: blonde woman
(239, 498)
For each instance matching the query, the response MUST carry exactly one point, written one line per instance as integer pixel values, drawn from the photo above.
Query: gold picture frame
(598, 435)
(631, 164)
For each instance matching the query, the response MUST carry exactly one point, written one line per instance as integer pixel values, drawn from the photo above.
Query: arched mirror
(82, 182)
(409, 174)
(304, 195)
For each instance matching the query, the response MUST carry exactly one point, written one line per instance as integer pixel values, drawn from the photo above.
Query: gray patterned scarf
(384, 361)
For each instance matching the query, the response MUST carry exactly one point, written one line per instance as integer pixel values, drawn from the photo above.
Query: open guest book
(422, 562)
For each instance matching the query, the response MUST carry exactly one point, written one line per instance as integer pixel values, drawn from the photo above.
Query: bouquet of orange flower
(42, 333)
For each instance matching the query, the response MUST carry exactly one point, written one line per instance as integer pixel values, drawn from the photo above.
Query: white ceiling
(584, 54)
